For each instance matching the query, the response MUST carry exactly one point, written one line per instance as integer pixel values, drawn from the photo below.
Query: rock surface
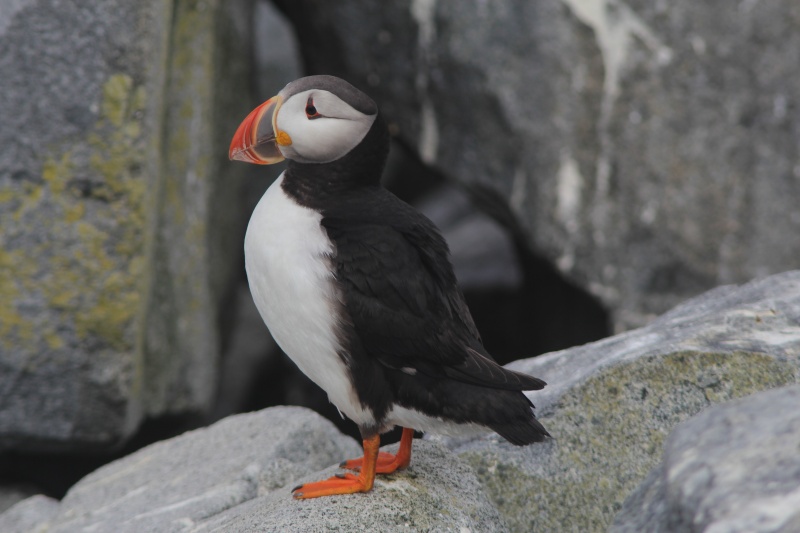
(733, 468)
(611, 404)
(113, 238)
(174, 484)
(630, 140)
(237, 474)
(30, 515)
(10, 494)
(437, 493)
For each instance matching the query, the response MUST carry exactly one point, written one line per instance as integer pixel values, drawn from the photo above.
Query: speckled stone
(237, 476)
(438, 492)
(30, 515)
(112, 177)
(734, 468)
(174, 484)
(611, 404)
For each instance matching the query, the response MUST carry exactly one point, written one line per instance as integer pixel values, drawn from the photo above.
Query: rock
(29, 516)
(173, 484)
(117, 214)
(629, 140)
(611, 404)
(237, 475)
(437, 493)
(734, 468)
(275, 50)
(12, 493)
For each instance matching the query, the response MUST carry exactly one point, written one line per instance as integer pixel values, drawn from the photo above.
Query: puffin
(357, 288)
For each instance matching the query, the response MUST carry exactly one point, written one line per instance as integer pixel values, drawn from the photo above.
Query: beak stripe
(253, 145)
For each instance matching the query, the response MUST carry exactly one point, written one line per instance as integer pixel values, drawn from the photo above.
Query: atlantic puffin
(357, 287)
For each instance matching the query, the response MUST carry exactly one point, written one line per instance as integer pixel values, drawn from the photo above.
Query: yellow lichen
(81, 268)
(609, 433)
(116, 94)
(56, 173)
(74, 212)
(53, 340)
(13, 268)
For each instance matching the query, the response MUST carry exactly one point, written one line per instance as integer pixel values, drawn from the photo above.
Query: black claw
(298, 487)
(343, 464)
(341, 476)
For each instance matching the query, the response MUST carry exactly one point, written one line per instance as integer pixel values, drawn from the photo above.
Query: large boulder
(29, 515)
(644, 148)
(117, 217)
(611, 404)
(734, 467)
(437, 493)
(237, 475)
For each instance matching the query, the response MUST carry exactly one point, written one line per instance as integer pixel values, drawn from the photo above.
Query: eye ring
(311, 110)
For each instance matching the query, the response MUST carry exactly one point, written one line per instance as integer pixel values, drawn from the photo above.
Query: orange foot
(373, 462)
(387, 462)
(345, 483)
(339, 484)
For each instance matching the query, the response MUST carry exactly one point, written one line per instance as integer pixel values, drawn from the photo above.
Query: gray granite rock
(646, 148)
(175, 484)
(611, 404)
(12, 493)
(437, 493)
(732, 468)
(237, 475)
(31, 515)
(117, 216)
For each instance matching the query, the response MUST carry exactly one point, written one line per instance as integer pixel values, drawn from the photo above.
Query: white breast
(287, 257)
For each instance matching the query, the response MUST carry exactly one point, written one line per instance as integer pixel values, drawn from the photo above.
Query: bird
(357, 287)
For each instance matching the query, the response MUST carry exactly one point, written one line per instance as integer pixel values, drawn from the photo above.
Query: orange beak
(255, 141)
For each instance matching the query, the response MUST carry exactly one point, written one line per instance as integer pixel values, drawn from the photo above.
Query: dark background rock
(648, 150)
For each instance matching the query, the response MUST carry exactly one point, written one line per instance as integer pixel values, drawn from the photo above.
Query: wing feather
(398, 285)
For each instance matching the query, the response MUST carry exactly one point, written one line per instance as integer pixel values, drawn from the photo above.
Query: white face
(332, 132)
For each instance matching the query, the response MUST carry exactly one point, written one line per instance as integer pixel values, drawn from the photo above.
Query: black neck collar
(314, 184)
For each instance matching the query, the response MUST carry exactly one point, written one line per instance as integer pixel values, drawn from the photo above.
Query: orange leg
(387, 463)
(345, 483)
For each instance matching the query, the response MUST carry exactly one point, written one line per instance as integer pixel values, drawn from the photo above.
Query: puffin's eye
(311, 111)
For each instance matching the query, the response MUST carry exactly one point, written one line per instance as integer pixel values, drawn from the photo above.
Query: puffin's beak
(255, 141)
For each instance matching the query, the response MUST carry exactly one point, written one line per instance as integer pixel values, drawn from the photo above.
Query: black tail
(522, 432)
(507, 412)
(514, 419)
(478, 369)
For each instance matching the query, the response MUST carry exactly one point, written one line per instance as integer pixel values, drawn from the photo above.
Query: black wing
(393, 267)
